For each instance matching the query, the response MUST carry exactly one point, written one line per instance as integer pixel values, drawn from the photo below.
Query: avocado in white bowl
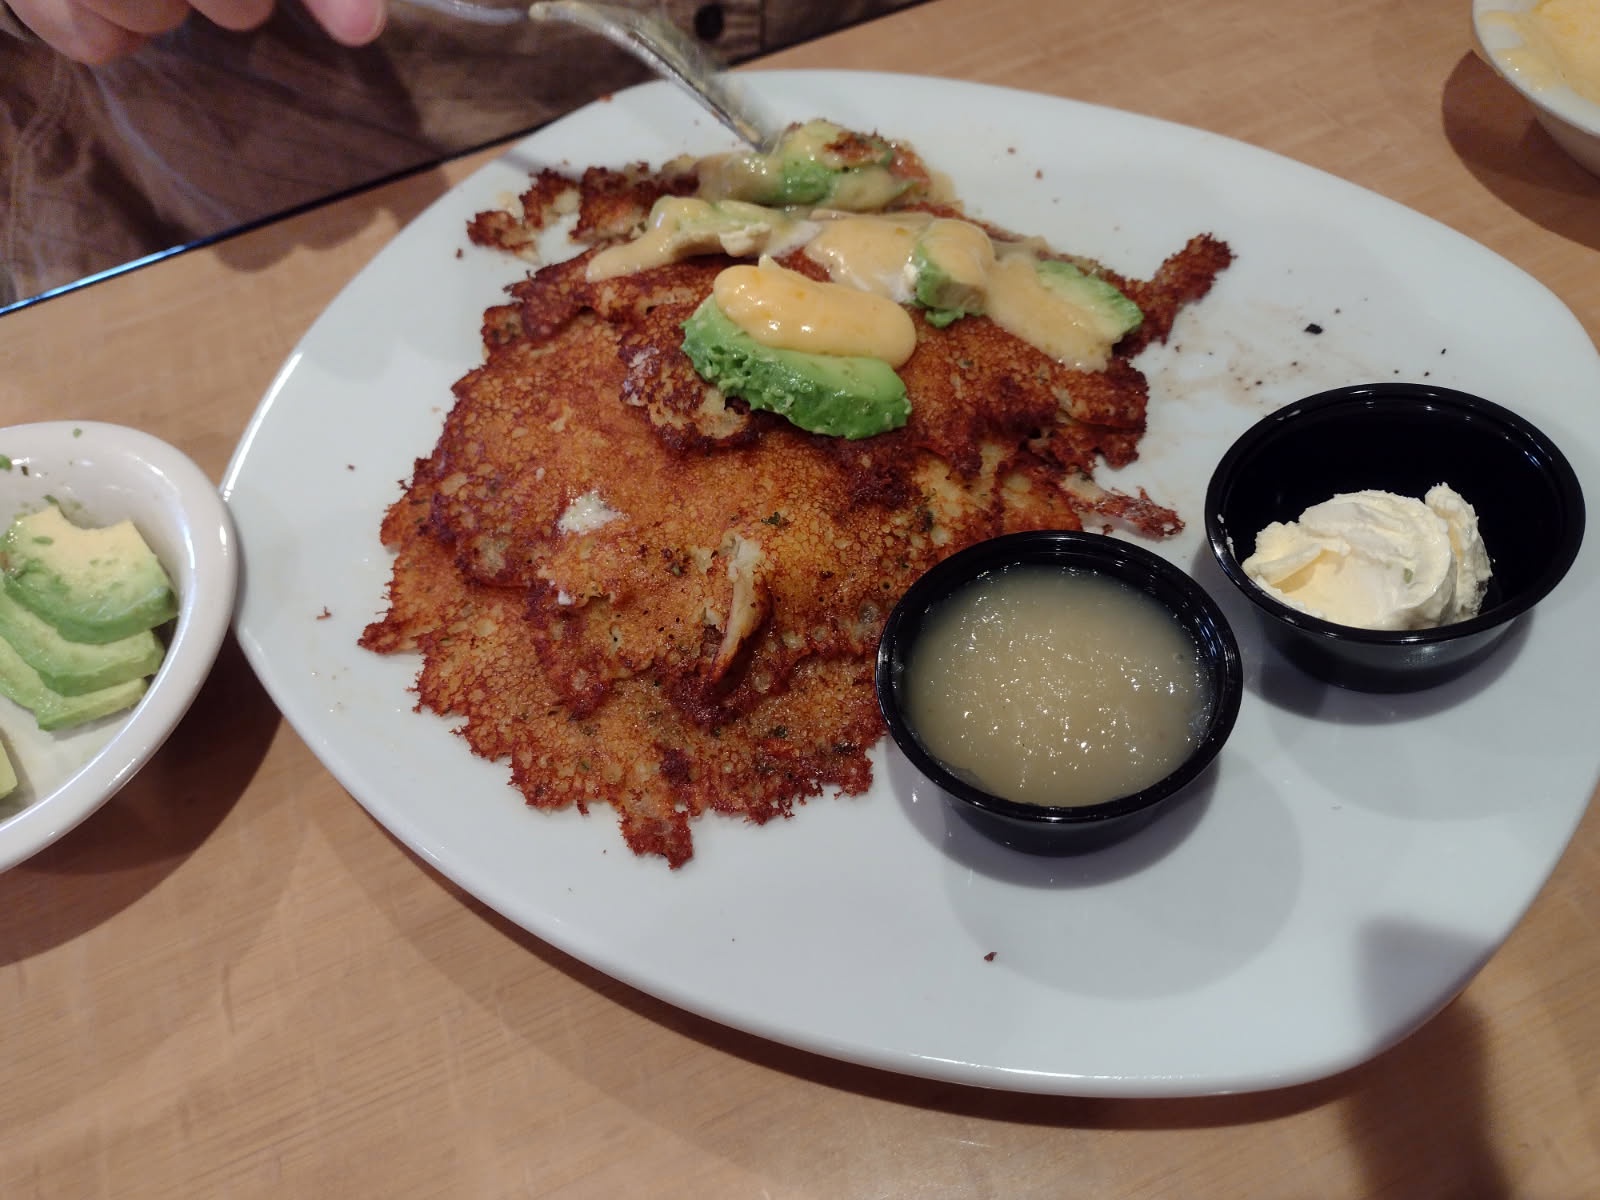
(96, 476)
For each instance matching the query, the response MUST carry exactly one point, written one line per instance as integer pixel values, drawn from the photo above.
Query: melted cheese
(963, 251)
(865, 187)
(786, 310)
(870, 253)
(1022, 304)
(872, 261)
(877, 253)
(682, 226)
(745, 175)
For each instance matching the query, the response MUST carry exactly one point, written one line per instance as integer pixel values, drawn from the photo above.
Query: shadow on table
(1418, 1111)
(256, 245)
(152, 825)
(1493, 131)
(327, 223)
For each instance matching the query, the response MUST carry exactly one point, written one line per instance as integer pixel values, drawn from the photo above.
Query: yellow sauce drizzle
(786, 310)
(964, 251)
(1021, 304)
(870, 253)
(682, 226)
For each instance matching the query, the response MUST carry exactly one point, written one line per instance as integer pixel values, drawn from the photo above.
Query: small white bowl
(105, 473)
(1570, 119)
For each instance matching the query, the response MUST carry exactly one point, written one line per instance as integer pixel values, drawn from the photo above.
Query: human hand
(97, 31)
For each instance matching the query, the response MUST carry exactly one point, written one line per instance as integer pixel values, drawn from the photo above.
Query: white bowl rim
(1560, 100)
(202, 558)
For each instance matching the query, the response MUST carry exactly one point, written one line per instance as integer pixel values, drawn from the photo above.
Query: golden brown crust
(710, 647)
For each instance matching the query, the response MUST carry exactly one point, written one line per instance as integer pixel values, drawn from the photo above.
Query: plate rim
(403, 828)
(205, 610)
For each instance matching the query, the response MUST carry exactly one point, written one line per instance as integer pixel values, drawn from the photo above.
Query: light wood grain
(231, 982)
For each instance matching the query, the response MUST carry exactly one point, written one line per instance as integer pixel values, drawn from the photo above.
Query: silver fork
(649, 36)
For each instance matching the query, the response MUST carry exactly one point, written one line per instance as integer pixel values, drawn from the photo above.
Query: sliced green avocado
(849, 397)
(945, 298)
(93, 585)
(1115, 313)
(805, 170)
(52, 710)
(73, 668)
(803, 181)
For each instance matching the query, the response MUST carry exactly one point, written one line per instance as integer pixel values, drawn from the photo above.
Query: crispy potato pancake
(638, 592)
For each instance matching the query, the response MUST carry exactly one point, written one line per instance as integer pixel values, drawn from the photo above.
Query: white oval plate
(105, 473)
(1346, 867)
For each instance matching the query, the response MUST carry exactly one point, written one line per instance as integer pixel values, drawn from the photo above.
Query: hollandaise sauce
(786, 310)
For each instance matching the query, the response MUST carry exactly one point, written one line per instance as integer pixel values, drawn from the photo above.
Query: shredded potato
(709, 646)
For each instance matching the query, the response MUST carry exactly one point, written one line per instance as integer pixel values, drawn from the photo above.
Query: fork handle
(666, 49)
(466, 10)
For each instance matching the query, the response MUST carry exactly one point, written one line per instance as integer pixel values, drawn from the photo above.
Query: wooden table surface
(230, 981)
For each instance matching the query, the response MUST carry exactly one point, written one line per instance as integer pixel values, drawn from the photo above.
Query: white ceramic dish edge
(1572, 120)
(1345, 926)
(107, 472)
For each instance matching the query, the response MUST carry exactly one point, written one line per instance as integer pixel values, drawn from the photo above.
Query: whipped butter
(1375, 560)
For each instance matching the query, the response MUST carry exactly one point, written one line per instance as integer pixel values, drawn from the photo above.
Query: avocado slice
(803, 181)
(1114, 314)
(820, 163)
(21, 683)
(952, 262)
(945, 298)
(93, 585)
(841, 396)
(73, 668)
(815, 163)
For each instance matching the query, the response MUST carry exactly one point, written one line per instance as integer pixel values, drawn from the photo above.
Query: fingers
(98, 31)
(77, 32)
(353, 22)
(146, 17)
(235, 14)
